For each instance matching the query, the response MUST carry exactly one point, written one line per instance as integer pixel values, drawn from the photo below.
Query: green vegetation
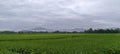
(115, 30)
(59, 43)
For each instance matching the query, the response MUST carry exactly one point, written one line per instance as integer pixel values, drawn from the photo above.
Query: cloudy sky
(59, 14)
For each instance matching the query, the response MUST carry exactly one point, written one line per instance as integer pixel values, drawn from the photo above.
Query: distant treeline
(116, 30)
(34, 32)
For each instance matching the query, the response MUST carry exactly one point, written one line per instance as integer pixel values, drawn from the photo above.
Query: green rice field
(59, 43)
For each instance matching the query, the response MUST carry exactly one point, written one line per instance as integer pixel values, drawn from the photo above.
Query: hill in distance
(50, 30)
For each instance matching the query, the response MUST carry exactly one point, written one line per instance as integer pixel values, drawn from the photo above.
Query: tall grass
(59, 43)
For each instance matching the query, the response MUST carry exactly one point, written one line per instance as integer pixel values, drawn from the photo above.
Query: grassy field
(59, 43)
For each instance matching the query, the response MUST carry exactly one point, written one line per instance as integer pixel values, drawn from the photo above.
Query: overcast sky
(59, 14)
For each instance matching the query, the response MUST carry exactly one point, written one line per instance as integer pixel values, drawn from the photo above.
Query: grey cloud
(59, 13)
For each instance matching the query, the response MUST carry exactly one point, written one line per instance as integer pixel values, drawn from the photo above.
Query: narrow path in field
(39, 38)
